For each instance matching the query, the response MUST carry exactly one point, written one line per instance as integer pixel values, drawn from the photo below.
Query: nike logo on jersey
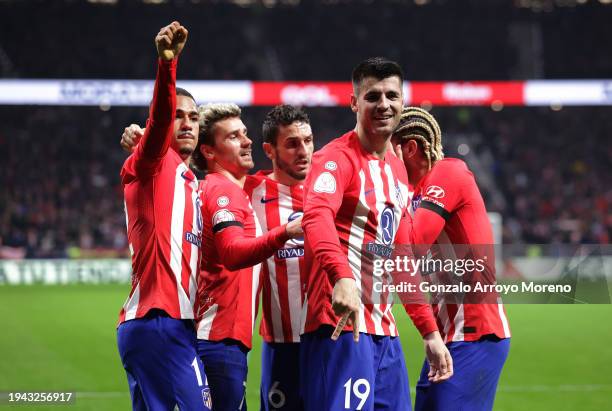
(267, 200)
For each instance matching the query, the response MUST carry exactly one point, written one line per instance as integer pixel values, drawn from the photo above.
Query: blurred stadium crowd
(548, 171)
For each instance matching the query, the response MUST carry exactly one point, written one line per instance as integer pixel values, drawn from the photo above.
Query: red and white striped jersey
(353, 199)
(163, 217)
(235, 247)
(450, 210)
(276, 204)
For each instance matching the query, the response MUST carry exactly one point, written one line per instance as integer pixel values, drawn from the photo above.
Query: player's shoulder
(138, 166)
(127, 169)
(220, 190)
(451, 163)
(451, 169)
(338, 151)
(255, 181)
(396, 164)
(258, 178)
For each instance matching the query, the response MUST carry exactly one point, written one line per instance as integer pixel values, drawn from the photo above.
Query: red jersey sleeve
(230, 210)
(158, 132)
(327, 181)
(426, 228)
(442, 191)
(441, 195)
(415, 304)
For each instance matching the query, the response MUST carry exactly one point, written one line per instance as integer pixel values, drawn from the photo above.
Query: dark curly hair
(282, 115)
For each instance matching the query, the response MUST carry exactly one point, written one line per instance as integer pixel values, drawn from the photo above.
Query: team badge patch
(207, 398)
(326, 183)
(331, 165)
(223, 201)
(222, 216)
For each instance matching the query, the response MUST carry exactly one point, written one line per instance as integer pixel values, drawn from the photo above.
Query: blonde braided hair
(418, 124)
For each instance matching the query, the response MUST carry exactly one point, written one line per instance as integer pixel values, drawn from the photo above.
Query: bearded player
(449, 211)
(235, 246)
(155, 336)
(277, 197)
(357, 194)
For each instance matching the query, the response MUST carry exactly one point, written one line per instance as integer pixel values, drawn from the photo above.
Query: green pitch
(56, 338)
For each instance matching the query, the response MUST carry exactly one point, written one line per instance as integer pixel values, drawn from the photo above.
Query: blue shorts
(225, 363)
(344, 375)
(477, 367)
(280, 377)
(162, 366)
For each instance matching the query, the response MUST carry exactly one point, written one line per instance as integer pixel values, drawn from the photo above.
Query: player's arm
(442, 195)
(325, 188)
(237, 251)
(420, 312)
(228, 209)
(157, 136)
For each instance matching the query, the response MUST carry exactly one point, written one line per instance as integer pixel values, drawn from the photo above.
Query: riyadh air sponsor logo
(379, 250)
(387, 224)
(435, 192)
(285, 253)
(193, 239)
(309, 95)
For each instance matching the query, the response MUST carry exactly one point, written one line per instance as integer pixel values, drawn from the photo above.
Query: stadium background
(544, 169)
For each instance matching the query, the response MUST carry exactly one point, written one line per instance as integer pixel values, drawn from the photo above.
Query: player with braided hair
(449, 213)
(418, 124)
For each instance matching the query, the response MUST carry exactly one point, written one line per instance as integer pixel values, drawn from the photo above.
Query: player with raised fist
(156, 336)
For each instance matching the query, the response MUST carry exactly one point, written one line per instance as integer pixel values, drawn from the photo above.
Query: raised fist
(130, 137)
(170, 40)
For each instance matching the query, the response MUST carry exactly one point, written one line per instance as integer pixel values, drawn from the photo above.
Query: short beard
(186, 151)
(287, 169)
